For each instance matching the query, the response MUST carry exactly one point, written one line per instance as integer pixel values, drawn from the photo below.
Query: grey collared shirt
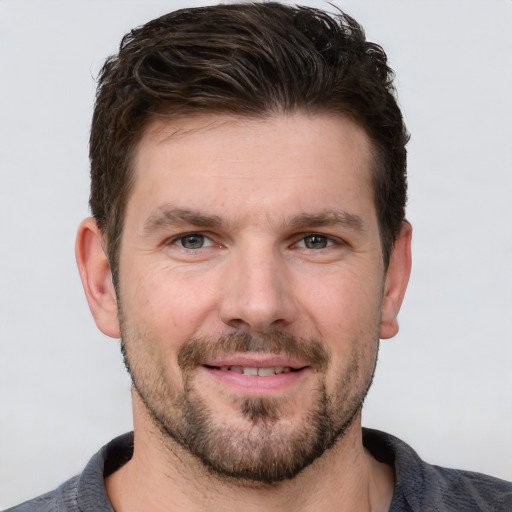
(419, 487)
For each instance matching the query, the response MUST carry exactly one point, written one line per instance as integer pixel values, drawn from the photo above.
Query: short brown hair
(249, 60)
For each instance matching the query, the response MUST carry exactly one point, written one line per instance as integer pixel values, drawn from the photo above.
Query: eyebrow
(328, 218)
(165, 217)
(171, 217)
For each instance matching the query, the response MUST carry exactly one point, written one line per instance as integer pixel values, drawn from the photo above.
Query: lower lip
(254, 384)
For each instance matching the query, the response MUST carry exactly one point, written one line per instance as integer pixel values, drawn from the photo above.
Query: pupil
(192, 241)
(316, 242)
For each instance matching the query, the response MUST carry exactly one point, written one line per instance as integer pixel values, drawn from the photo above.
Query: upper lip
(256, 360)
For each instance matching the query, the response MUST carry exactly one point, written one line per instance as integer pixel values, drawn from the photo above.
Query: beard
(272, 442)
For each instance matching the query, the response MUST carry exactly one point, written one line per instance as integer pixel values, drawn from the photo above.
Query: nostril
(238, 323)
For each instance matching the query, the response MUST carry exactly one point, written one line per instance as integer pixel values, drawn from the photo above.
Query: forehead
(296, 161)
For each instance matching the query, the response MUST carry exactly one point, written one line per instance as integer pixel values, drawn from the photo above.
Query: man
(249, 246)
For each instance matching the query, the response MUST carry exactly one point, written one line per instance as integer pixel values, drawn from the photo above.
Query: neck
(162, 476)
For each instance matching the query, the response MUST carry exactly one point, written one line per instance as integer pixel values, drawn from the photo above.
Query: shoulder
(421, 486)
(461, 490)
(85, 492)
(49, 502)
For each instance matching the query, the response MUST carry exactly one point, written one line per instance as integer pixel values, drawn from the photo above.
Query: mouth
(257, 374)
(263, 371)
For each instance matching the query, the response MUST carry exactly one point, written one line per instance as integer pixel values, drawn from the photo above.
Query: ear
(96, 277)
(397, 277)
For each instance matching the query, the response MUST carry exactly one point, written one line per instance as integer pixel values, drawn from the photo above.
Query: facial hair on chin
(267, 451)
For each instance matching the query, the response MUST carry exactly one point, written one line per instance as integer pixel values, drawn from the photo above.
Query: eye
(193, 241)
(315, 241)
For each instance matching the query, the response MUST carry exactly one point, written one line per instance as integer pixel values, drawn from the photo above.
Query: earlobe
(397, 277)
(96, 277)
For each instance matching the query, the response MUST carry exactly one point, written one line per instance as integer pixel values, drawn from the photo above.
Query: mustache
(196, 350)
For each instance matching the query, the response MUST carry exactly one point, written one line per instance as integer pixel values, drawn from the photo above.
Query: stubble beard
(267, 450)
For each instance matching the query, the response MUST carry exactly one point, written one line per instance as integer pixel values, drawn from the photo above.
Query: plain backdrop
(444, 384)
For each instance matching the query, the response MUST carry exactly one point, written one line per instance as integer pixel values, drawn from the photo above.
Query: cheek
(346, 315)
(166, 302)
(344, 303)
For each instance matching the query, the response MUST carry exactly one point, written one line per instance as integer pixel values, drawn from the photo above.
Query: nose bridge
(258, 296)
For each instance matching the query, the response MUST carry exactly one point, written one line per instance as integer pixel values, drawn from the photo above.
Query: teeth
(266, 371)
(262, 372)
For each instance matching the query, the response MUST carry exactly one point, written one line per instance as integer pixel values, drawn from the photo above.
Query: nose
(258, 292)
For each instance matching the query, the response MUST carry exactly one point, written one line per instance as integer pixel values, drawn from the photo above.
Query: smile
(257, 378)
(260, 372)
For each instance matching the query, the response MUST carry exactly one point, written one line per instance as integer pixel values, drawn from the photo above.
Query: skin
(270, 185)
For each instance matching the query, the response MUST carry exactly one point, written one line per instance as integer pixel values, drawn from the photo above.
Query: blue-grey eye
(193, 241)
(316, 242)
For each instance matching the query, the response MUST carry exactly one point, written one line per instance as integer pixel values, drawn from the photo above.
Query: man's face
(250, 287)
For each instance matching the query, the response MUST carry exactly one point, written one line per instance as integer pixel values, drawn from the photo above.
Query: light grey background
(444, 384)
